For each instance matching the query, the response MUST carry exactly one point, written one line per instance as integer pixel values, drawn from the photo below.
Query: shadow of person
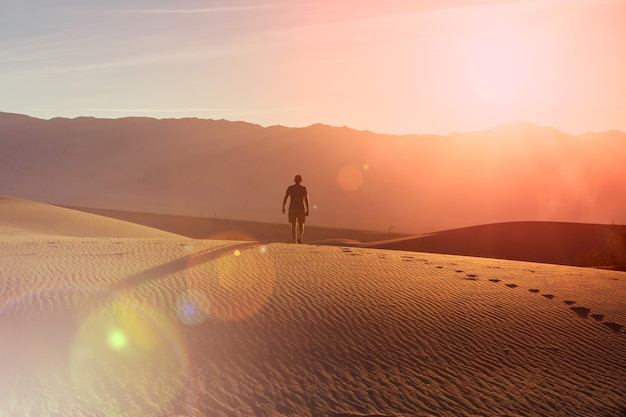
(179, 265)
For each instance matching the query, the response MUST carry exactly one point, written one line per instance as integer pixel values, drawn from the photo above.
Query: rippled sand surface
(118, 321)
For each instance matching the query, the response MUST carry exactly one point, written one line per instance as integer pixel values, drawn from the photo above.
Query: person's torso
(296, 194)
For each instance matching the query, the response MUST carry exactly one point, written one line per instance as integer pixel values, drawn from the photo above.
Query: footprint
(569, 303)
(440, 267)
(494, 280)
(458, 270)
(472, 275)
(548, 296)
(581, 311)
(331, 414)
(511, 285)
(535, 290)
(614, 326)
(598, 317)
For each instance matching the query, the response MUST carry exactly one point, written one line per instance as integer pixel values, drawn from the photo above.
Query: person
(298, 208)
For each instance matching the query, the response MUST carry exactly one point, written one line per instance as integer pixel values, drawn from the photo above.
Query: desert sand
(101, 317)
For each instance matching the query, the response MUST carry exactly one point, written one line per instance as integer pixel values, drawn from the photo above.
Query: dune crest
(18, 216)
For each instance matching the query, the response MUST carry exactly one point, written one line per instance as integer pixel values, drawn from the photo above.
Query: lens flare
(231, 287)
(350, 178)
(126, 358)
(231, 235)
(117, 340)
(193, 308)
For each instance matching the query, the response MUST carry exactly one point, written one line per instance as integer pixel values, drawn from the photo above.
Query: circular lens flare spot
(127, 359)
(193, 308)
(232, 287)
(350, 178)
(117, 340)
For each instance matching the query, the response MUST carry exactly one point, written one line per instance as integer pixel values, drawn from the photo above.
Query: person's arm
(285, 200)
(306, 203)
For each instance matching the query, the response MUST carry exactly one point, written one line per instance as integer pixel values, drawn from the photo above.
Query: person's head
(298, 179)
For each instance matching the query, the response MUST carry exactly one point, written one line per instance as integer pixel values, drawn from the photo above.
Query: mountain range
(356, 179)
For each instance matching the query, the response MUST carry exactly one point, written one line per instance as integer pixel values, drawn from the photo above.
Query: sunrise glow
(501, 68)
(389, 67)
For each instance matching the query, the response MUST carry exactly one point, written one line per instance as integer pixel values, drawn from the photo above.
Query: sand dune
(24, 216)
(548, 242)
(575, 244)
(228, 229)
(153, 326)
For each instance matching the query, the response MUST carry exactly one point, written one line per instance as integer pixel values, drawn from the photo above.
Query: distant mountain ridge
(357, 179)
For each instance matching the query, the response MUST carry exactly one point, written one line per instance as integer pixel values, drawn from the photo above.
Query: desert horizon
(575, 244)
(23, 117)
(406, 184)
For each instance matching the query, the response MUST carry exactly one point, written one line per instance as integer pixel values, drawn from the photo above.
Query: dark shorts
(296, 214)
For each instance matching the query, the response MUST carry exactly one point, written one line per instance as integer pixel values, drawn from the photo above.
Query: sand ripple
(139, 327)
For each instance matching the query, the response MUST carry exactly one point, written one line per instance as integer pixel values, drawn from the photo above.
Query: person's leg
(293, 231)
(292, 222)
(300, 231)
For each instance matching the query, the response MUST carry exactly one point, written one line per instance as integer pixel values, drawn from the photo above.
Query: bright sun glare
(500, 66)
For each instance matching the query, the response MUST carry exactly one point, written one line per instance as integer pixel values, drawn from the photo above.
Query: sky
(388, 66)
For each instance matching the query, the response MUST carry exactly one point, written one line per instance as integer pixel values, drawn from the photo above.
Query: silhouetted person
(298, 208)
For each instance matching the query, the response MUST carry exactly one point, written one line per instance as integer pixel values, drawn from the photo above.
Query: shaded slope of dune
(228, 229)
(548, 242)
(140, 327)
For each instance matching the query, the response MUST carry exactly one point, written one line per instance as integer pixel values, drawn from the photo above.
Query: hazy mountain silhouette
(356, 179)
